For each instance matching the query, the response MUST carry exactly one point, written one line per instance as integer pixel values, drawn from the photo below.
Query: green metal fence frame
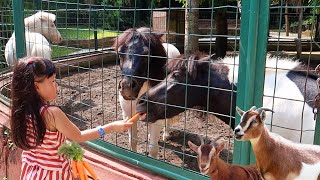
(254, 27)
(18, 19)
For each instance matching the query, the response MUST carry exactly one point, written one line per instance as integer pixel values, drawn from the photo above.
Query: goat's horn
(259, 110)
(253, 108)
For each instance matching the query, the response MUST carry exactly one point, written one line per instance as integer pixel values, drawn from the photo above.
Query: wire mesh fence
(90, 71)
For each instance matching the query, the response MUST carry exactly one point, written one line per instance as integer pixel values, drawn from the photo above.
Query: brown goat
(277, 157)
(210, 164)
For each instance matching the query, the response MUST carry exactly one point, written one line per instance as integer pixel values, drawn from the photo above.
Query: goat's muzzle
(238, 134)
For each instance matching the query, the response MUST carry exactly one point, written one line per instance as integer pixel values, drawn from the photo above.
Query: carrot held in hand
(135, 117)
(90, 170)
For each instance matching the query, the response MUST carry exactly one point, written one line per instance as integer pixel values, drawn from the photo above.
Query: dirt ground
(90, 99)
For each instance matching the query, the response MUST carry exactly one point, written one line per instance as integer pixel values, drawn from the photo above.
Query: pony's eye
(175, 74)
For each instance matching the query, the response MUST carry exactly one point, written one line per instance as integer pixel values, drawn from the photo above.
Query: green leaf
(72, 150)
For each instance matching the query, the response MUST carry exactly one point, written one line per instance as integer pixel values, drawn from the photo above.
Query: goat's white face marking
(250, 122)
(247, 122)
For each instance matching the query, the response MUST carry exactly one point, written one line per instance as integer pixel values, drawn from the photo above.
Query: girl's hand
(120, 126)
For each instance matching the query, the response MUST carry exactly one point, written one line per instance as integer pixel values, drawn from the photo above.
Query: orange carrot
(86, 176)
(135, 117)
(81, 170)
(90, 170)
(74, 169)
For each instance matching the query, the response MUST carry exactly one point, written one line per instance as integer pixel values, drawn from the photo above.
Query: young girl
(40, 129)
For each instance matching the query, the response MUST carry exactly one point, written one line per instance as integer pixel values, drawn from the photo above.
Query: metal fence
(89, 69)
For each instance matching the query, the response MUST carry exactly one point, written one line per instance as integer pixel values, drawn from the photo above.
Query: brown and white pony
(210, 84)
(142, 58)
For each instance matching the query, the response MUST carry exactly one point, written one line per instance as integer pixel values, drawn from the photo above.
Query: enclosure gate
(253, 47)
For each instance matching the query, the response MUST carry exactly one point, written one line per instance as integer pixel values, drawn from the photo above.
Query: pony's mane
(40, 15)
(188, 63)
(143, 33)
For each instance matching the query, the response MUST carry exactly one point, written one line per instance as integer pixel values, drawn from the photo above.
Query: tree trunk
(191, 42)
(317, 34)
(298, 40)
(221, 30)
(287, 19)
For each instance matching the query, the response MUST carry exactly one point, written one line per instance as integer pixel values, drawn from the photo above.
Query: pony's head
(142, 56)
(43, 23)
(168, 98)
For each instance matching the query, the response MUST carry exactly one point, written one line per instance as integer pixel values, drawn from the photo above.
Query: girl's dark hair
(26, 102)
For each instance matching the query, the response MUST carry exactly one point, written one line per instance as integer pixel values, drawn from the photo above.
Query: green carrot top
(72, 150)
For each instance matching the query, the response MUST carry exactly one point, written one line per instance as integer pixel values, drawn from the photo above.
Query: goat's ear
(192, 146)
(263, 115)
(239, 111)
(219, 147)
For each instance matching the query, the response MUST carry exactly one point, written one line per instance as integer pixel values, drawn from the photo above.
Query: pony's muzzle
(129, 88)
(57, 40)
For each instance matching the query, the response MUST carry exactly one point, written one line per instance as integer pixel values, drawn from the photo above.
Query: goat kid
(210, 163)
(277, 157)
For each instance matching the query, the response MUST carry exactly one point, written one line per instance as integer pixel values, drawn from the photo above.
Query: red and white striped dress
(43, 162)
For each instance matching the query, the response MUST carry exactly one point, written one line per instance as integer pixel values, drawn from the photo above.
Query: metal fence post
(253, 47)
(18, 19)
(317, 132)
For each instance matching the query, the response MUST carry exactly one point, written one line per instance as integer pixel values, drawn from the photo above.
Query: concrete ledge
(111, 168)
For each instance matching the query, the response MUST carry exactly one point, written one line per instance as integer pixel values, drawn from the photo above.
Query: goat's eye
(252, 123)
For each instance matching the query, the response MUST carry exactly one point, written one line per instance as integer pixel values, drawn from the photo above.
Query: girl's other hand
(120, 126)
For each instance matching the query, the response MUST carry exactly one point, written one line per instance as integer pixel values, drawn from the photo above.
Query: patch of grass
(61, 51)
(74, 33)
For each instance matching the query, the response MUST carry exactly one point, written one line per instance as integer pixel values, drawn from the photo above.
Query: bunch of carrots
(73, 151)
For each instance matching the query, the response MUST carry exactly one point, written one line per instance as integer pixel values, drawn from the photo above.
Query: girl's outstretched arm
(72, 132)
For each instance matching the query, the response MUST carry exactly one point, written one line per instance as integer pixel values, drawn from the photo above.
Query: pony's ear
(159, 35)
(213, 56)
(44, 16)
(198, 67)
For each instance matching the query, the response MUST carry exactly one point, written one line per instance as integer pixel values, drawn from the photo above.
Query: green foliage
(110, 18)
(61, 51)
(3, 63)
(71, 150)
(81, 33)
(205, 2)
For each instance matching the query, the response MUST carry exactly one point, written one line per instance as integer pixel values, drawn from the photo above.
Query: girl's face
(47, 88)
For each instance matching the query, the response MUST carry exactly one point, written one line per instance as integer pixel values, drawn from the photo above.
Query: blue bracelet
(101, 131)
